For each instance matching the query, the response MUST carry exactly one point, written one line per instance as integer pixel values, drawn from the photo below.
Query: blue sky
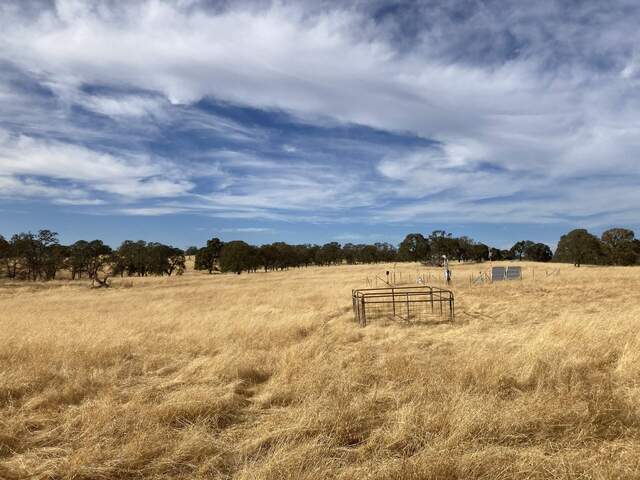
(316, 121)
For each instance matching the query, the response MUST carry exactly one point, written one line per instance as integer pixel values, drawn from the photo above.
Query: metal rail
(408, 304)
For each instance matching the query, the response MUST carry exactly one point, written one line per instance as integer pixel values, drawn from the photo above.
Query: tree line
(616, 246)
(238, 256)
(430, 249)
(29, 256)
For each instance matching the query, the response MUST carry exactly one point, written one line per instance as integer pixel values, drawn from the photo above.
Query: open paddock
(267, 376)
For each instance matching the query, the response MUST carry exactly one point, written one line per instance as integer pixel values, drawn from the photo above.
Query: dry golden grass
(266, 376)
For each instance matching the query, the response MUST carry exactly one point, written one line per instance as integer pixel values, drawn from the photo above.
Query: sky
(316, 121)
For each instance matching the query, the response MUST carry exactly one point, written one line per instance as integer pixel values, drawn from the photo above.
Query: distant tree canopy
(620, 246)
(238, 256)
(414, 248)
(5, 249)
(498, 254)
(87, 258)
(443, 243)
(329, 254)
(29, 256)
(418, 248)
(208, 256)
(34, 257)
(478, 252)
(141, 259)
(519, 248)
(579, 247)
(538, 252)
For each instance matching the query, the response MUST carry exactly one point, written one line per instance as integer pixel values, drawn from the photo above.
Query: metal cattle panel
(497, 274)
(405, 304)
(514, 273)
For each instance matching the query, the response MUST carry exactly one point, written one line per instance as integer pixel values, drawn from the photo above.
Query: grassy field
(265, 376)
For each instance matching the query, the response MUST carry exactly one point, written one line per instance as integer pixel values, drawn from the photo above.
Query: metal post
(363, 320)
(355, 308)
(393, 301)
(451, 306)
(431, 295)
(408, 315)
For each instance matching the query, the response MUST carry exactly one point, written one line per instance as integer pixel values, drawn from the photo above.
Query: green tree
(132, 258)
(386, 252)
(5, 253)
(268, 257)
(164, 259)
(620, 247)
(78, 260)
(507, 255)
(208, 256)
(38, 256)
(236, 256)
(414, 248)
(253, 259)
(496, 254)
(329, 254)
(538, 252)
(478, 252)
(54, 259)
(368, 254)
(519, 248)
(466, 248)
(443, 243)
(11, 258)
(99, 256)
(579, 247)
(285, 255)
(307, 254)
(87, 257)
(350, 253)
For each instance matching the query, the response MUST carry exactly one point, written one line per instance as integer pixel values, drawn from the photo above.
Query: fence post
(408, 314)
(393, 301)
(355, 306)
(363, 320)
(451, 314)
(431, 296)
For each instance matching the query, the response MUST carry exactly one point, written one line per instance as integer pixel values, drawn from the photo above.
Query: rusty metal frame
(418, 303)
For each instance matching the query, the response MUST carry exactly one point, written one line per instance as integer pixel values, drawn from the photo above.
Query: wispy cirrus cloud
(249, 230)
(25, 161)
(527, 113)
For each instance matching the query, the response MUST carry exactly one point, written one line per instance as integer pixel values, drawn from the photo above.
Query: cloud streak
(24, 160)
(531, 111)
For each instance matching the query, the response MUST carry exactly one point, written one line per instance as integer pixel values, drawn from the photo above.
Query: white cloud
(17, 188)
(124, 105)
(24, 155)
(151, 211)
(24, 159)
(511, 128)
(249, 230)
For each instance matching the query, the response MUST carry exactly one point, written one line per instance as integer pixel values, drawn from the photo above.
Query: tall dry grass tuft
(265, 376)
